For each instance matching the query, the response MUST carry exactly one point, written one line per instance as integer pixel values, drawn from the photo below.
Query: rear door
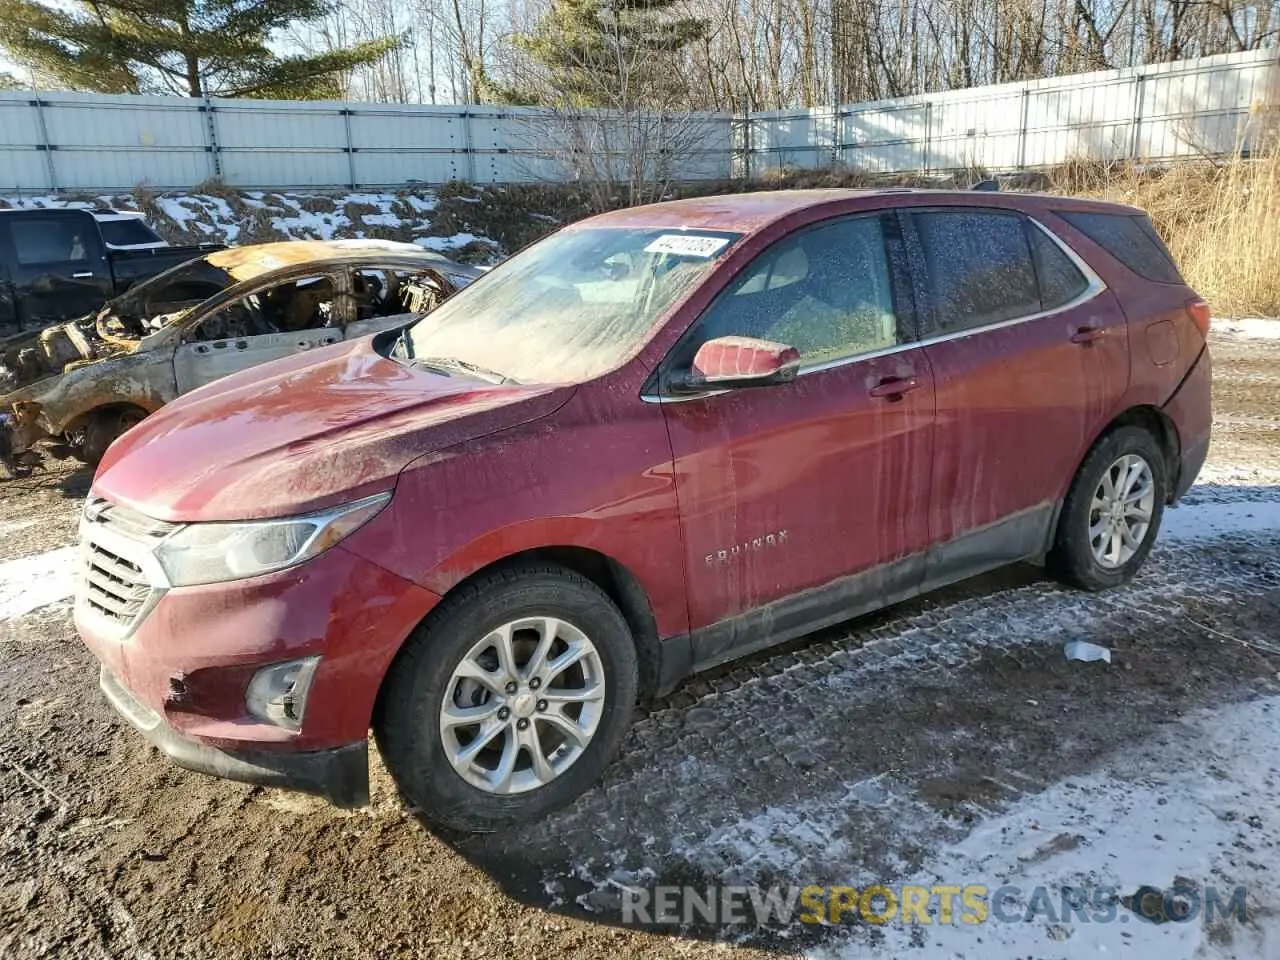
(1029, 353)
(792, 486)
(269, 323)
(58, 265)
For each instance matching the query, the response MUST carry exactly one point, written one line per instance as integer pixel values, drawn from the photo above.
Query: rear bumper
(340, 774)
(1191, 411)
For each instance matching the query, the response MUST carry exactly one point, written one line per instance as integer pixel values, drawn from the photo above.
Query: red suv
(657, 440)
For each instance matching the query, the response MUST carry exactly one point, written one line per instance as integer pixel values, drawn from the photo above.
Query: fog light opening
(278, 693)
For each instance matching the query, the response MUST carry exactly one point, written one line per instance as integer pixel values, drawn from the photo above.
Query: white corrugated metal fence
(69, 141)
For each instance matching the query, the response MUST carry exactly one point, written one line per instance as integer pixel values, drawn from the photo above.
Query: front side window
(826, 291)
(571, 307)
(979, 267)
(52, 240)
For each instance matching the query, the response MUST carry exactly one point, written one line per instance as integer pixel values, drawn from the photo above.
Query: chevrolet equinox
(657, 440)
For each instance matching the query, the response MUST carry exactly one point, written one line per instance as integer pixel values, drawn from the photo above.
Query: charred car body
(75, 387)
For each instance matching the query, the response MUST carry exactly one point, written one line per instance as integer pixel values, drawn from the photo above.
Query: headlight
(213, 552)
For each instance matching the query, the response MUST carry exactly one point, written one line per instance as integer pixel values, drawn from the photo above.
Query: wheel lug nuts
(535, 683)
(503, 713)
(512, 687)
(542, 706)
(522, 723)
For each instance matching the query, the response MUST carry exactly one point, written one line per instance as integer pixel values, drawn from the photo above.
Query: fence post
(351, 150)
(211, 138)
(928, 132)
(468, 145)
(1022, 129)
(837, 140)
(1136, 142)
(44, 144)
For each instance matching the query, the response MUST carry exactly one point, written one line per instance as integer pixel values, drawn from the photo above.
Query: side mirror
(730, 362)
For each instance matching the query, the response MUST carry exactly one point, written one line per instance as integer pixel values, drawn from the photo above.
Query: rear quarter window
(1131, 239)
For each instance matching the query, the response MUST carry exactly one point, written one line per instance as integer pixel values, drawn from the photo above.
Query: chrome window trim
(1094, 286)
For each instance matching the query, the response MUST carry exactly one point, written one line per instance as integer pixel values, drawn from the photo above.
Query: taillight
(1198, 310)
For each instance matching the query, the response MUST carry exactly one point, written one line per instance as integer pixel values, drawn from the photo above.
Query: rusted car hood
(303, 433)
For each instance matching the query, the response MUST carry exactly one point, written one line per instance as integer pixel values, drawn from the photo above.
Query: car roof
(257, 260)
(749, 212)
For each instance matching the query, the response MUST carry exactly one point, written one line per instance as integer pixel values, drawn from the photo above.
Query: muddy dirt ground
(855, 754)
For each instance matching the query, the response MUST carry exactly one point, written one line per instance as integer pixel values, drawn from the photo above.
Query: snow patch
(1250, 328)
(1202, 520)
(1148, 823)
(36, 581)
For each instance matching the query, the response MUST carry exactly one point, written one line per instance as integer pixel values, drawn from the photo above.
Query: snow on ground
(1209, 519)
(1212, 820)
(29, 583)
(1253, 328)
(299, 216)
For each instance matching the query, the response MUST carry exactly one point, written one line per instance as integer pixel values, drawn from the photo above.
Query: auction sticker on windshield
(687, 245)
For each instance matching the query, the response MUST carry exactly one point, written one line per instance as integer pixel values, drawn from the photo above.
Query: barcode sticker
(687, 245)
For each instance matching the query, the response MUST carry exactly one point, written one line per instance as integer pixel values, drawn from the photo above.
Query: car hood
(303, 433)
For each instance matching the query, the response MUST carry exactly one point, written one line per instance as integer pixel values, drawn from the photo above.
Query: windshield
(173, 291)
(568, 308)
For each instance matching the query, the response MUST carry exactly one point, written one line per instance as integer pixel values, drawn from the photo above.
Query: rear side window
(980, 268)
(1060, 280)
(1130, 239)
(128, 232)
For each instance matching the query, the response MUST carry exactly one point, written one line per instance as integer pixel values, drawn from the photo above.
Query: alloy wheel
(1121, 510)
(522, 705)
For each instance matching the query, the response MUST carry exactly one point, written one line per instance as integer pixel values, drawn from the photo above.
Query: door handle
(85, 275)
(892, 388)
(1088, 334)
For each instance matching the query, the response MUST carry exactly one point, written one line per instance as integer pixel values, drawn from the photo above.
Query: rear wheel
(101, 430)
(510, 701)
(1112, 512)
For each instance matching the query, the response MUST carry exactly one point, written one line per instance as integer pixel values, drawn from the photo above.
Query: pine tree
(611, 52)
(195, 48)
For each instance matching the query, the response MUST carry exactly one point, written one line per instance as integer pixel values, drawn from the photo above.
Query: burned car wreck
(72, 389)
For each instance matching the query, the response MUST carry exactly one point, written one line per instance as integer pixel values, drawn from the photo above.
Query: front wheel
(510, 701)
(1112, 512)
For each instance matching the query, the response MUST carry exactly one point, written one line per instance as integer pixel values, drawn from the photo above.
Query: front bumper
(177, 661)
(340, 775)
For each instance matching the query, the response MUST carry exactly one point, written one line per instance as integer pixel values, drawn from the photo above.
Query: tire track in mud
(847, 759)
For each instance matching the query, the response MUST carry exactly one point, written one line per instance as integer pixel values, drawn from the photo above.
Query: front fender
(143, 380)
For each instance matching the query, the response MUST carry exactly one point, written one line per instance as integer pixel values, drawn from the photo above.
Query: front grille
(115, 588)
(117, 545)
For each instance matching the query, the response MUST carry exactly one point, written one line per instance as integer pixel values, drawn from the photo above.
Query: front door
(267, 324)
(1029, 353)
(59, 268)
(794, 486)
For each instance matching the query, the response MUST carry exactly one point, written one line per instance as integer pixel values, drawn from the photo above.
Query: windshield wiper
(453, 363)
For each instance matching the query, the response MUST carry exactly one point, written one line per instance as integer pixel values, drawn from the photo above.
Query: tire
(411, 731)
(101, 430)
(1074, 558)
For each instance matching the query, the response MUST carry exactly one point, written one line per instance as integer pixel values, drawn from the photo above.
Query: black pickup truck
(54, 267)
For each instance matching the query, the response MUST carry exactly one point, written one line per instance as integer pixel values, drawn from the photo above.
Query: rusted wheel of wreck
(101, 430)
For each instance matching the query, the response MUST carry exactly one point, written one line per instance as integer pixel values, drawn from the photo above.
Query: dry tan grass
(1221, 220)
